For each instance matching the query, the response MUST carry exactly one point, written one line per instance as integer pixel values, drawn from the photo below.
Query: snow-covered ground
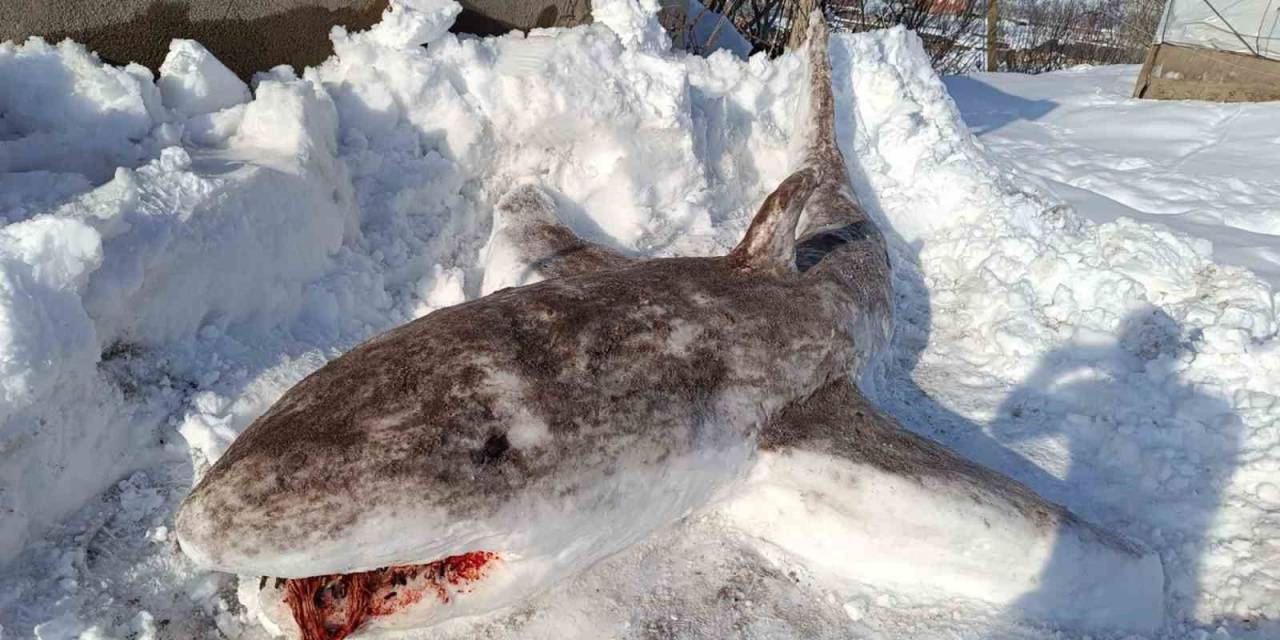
(1205, 170)
(1085, 294)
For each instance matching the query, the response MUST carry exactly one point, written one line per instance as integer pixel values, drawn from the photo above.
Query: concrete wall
(1176, 72)
(493, 17)
(246, 35)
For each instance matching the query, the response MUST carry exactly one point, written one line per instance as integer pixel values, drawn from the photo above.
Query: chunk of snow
(635, 22)
(413, 23)
(65, 111)
(42, 322)
(193, 82)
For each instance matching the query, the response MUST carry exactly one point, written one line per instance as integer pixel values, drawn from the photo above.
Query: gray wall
(246, 35)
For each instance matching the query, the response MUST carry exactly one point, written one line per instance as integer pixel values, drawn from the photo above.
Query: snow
(193, 82)
(68, 118)
(1198, 168)
(1085, 301)
(409, 23)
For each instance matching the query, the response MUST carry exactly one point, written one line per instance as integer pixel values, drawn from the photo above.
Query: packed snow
(1085, 301)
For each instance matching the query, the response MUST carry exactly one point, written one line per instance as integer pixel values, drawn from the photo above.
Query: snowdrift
(178, 253)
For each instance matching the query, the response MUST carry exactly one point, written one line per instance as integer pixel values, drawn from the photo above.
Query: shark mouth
(333, 607)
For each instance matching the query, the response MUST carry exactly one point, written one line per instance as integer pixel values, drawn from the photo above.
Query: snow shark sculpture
(475, 456)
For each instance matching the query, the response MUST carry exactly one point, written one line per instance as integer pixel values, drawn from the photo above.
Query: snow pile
(408, 23)
(1118, 355)
(188, 244)
(177, 257)
(182, 256)
(67, 120)
(1168, 419)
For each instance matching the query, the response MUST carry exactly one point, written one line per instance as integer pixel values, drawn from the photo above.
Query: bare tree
(1034, 35)
(1053, 34)
(993, 34)
(1043, 34)
(950, 29)
(944, 25)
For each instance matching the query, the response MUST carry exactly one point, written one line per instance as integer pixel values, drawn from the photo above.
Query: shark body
(553, 424)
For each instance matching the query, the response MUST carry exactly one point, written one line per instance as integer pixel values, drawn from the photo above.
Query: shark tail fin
(821, 152)
(770, 241)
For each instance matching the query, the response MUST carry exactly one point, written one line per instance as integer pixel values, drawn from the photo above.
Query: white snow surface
(1075, 302)
(193, 82)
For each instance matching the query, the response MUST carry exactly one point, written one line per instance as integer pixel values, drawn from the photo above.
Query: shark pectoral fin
(770, 241)
(844, 486)
(529, 243)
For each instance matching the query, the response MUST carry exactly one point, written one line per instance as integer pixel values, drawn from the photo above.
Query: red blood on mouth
(332, 607)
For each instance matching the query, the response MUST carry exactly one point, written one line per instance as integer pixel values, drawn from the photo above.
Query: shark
(474, 457)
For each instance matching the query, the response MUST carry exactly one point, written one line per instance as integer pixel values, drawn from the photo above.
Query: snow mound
(64, 112)
(46, 262)
(174, 260)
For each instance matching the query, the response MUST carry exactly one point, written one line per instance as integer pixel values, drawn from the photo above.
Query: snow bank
(1120, 357)
(46, 339)
(207, 239)
(64, 112)
(1164, 420)
(46, 262)
(408, 23)
(177, 259)
(193, 243)
(66, 122)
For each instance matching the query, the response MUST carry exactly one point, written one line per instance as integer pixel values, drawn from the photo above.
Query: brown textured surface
(298, 36)
(770, 241)
(1176, 72)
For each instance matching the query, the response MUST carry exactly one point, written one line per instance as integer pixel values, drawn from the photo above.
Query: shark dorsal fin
(770, 241)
